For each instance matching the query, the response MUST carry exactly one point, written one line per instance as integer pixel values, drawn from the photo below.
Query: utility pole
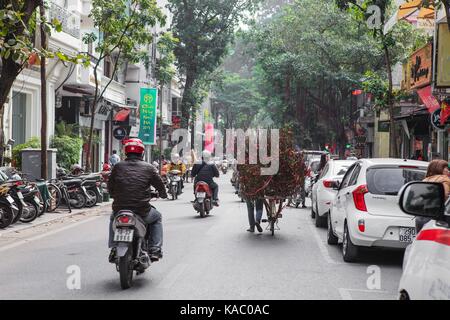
(44, 173)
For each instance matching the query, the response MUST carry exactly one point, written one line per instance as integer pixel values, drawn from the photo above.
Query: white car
(322, 191)
(365, 213)
(426, 265)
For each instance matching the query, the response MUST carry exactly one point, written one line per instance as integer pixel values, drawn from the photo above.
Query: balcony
(70, 21)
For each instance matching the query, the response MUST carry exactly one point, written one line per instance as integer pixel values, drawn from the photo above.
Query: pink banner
(209, 137)
(428, 99)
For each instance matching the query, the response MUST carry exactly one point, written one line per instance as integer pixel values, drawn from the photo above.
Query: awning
(122, 115)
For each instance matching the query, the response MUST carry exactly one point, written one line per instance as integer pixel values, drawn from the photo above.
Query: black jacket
(204, 172)
(129, 185)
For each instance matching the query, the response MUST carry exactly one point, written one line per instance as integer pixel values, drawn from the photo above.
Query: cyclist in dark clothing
(206, 172)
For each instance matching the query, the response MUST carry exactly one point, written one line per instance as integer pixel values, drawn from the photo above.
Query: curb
(64, 216)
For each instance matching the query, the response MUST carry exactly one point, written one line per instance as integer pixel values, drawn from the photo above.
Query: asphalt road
(211, 258)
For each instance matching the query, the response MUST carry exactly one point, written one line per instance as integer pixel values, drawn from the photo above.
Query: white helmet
(206, 155)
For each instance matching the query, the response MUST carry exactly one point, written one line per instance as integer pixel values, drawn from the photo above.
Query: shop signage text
(421, 63)
(148, 112)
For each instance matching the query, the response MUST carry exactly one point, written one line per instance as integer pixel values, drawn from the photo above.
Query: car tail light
(328, 183)
(358, 197)
(125, 220)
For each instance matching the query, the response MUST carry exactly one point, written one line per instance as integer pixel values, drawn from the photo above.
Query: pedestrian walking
(114, 159)
(437, 172)
(255, 221)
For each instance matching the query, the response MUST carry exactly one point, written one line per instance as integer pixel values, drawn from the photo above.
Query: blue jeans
(251, 206)
(154, 221)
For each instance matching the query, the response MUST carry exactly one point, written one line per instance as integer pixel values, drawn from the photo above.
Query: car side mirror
(335, 184)
(423, 199)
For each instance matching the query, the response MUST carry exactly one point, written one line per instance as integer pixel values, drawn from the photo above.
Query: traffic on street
(231, 156)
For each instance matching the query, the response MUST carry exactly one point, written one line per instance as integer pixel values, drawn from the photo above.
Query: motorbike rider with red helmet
(130, 185)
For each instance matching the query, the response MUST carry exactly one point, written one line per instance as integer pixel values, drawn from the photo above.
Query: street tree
(205, 28)
(164, 73)
(395, 43)
(124, 33)
(19, 22)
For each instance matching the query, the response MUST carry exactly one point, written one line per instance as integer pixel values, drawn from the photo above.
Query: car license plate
(10, 199)
(201, 194)
(123, 235)
(407, 234)
(20, 195)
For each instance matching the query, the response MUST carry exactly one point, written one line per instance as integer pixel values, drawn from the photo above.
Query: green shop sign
(148, 112)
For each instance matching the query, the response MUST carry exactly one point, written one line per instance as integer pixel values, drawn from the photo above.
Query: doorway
(19, 117)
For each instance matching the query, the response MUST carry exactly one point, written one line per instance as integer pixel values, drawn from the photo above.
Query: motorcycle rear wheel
(202, 210)
(126, 269)
(93, 200)
(80, 200)
(6, 216)
(30, 212)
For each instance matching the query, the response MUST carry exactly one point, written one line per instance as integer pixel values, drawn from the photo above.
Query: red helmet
(106, 167)
(134, 146)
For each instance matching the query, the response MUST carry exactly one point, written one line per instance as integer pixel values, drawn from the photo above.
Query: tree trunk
(187, 105)
(392, 133)
(44, 174)
(160, 129)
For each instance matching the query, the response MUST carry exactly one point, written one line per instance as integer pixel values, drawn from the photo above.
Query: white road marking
(172, 276)
(322, 248)
(345, 293)
(21, 242)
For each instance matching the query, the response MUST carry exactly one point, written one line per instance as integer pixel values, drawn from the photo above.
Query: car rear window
(315, 166)
(389, 181)
(340, 170)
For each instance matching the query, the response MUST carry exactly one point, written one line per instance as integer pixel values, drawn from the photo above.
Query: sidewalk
(53, 217)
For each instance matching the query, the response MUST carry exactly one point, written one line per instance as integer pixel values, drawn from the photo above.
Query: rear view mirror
(423, 199)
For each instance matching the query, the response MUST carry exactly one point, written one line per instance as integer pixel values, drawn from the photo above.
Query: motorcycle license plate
(20, 195)
(201, 194)
(407, 234)
(123, 235)
(37, 200)
(10, 199)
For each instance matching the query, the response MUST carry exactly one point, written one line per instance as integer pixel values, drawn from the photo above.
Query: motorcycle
(130, 232)
(224, 168)
(77, 193)
(173, 183)
(203, 199)
(7, 205)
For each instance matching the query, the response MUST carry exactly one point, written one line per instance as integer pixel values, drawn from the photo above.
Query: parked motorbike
(77, 193)
(7, 205)
(27, 200)
(173, 183)
(203, 199)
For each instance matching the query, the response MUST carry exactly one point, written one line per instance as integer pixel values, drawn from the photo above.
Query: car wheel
(313, 214)
(331, 238)
(320, 220)
(350, 252)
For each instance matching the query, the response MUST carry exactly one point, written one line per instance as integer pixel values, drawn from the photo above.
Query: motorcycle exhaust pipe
(144, 260)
